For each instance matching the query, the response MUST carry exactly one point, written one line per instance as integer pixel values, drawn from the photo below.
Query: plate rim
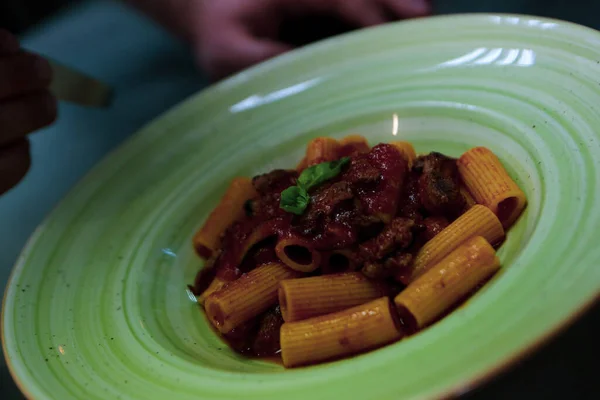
(462, 387)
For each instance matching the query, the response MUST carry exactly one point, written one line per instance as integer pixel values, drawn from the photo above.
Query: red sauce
(377, 211)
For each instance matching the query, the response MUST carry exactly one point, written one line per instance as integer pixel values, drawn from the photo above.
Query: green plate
(97, 308)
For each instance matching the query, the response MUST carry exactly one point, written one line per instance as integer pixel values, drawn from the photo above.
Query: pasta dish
(355, 248)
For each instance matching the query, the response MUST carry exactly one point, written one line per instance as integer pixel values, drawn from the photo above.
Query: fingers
(234, 50)
(14, 163)
(361, 13)
(407, 8)
(8, 43)
(22, 115)
(23, 73)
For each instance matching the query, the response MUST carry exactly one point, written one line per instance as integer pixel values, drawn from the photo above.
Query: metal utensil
(76, 87)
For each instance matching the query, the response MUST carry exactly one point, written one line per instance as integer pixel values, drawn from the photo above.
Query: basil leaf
(317, 174)
(294, 200)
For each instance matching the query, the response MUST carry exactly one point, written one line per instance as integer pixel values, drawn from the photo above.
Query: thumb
(408, 8)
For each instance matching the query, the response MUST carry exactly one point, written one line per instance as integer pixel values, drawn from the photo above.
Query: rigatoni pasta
(353, 145)
(216, 285)
(305, 262)
(310, 297)
(340, 260)
(407, 150)
(351, 331)
(477, 221)
(229, 209)
(298, 254)
(469, 200)
(246, 297)
(320, 150)
(448, 281)
(489, 183)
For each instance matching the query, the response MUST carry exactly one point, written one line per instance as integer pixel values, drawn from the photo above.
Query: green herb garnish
(295, 199)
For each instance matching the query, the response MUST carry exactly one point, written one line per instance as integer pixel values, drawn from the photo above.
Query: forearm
(175, 15)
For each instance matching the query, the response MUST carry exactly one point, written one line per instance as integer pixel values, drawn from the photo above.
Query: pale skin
(225, 36)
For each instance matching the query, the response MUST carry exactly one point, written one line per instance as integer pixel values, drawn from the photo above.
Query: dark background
(18, 15)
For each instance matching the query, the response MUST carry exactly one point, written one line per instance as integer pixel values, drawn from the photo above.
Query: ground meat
(388, 267)
(396, 235)
(266, 342)
(439, 185)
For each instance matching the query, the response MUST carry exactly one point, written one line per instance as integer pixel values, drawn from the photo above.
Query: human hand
(25, 106)
(230, 35)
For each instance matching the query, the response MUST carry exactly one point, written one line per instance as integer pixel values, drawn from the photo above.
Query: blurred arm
(175, 15)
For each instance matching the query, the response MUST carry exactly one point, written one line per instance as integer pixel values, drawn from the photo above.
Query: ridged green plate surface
(97, 308)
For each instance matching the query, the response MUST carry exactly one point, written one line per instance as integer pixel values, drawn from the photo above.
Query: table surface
(151, 71)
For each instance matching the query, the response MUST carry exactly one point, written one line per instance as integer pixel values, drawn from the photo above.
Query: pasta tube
(407, 150)
(246, 297)
(469, 200)
(297, 253)
(477, 221)
(341, 260)
(216, 285)
(343, 333)
(352, 145)
(229, 209)
(447, 282)
(319, 150)
(309, 297)
(489, 183)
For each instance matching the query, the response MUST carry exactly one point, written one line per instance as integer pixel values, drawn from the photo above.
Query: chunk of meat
(388, 267)
(439, 185)
(377, 179)
(328, 220)
(327, 199)
(269, 186)
(336, 235)
(410, 204)
(362, 174)
(396, 235)
(266, 342)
